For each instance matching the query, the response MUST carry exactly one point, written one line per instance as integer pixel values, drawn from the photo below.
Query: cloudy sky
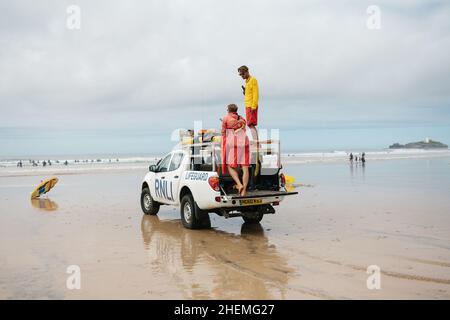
(137, 70)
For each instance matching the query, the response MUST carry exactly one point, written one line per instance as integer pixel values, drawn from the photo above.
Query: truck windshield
(164, 164)
(176, 161)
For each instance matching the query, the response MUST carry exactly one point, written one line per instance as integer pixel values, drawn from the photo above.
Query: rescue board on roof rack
(209, 135)
(190, 178)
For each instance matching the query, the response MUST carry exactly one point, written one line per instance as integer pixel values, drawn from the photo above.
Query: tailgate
(261, 194)
(253, 198)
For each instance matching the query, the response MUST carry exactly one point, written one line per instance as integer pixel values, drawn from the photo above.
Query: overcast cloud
(137, 67)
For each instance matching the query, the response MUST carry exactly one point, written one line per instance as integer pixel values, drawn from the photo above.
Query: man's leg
(235, 176)
(254, 132)
(258, 147)
(244, 180)
(252, 120)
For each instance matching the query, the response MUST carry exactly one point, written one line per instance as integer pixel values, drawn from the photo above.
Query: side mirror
(152, 168)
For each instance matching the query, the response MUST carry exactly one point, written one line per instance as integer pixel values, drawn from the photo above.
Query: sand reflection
(216, 264)
(44, 204)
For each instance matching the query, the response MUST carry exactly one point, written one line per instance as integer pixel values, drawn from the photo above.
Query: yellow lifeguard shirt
(251, 93)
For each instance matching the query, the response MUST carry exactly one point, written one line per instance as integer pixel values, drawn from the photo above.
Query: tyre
(254, 229)
(192, 217)
(253, 217)
(148, 205)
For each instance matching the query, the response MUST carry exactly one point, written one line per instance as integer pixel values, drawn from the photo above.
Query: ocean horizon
(130, 155)
(80, 163)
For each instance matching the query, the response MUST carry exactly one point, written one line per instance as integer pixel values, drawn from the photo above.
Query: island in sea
(426, 144)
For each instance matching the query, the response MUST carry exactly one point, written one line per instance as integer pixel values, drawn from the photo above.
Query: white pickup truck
(190, 177)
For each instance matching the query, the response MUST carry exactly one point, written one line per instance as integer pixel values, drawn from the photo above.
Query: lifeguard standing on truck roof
(251, 100)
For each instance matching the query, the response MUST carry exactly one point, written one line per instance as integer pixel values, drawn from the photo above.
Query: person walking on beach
(235, 148)
(251, 100)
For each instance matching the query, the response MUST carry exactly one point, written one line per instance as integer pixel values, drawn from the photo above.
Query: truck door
(159, 188)
(172, 177)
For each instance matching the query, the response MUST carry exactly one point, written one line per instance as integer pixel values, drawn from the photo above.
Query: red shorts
(252, 116)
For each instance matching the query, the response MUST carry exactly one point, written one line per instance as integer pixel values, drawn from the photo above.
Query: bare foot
(243, 192)
(238, 188)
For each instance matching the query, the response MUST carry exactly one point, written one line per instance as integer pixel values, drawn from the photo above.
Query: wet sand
(394, 214)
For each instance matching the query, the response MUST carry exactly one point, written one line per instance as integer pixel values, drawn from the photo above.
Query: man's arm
(241, 123)
(255, 93)
(224, 125)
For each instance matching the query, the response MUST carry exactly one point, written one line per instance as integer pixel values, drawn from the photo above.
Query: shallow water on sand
(394, 214)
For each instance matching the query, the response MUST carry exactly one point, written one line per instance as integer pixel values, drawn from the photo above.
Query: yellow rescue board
(289, 183)
(44, 187)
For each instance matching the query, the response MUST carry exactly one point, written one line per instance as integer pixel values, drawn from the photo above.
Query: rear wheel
(253, 217)
(192, 217)
(148, 205)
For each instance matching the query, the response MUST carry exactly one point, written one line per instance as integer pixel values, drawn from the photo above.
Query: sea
(67, 164)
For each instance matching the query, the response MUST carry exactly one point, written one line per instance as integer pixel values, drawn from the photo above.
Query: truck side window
(176, 161)
(164, 164)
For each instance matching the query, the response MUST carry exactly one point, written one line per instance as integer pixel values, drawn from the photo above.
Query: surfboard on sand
(44, 187)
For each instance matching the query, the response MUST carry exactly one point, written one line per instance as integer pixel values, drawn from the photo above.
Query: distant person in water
(363, 157)
(351, 156)
(66, 163)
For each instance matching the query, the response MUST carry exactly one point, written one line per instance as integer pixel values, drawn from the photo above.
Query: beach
(393, 213)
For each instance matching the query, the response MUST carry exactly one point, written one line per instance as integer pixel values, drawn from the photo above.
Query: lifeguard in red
(235, 143)
(235, 148)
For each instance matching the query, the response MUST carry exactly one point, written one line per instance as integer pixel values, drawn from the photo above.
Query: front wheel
(148, 204)
(192, 217)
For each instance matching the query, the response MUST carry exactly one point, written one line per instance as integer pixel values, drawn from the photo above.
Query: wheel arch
(184, 191)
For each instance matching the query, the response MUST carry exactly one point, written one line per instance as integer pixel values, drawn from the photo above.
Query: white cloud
(131, 59)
